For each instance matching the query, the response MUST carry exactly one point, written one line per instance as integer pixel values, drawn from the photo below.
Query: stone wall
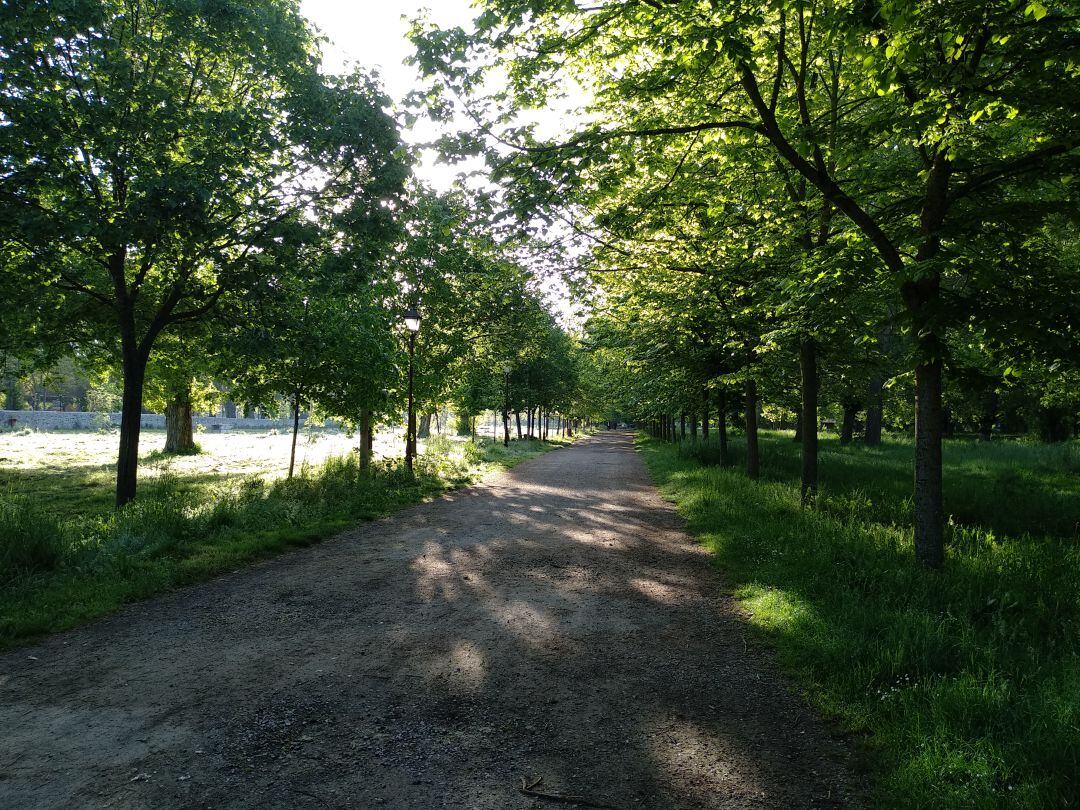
(78, 420)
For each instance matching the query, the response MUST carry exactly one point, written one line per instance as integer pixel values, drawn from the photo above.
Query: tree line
(880, 194)
(188, 202)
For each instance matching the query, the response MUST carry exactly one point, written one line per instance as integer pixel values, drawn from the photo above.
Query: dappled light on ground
(556, 622)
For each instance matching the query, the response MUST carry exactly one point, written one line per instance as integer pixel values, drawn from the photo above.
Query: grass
(964, 682)
(67, 558)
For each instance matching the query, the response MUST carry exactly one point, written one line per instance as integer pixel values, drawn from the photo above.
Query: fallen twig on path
(529, 790)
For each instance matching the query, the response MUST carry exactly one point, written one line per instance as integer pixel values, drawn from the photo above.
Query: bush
(31, 540)
(472, 452)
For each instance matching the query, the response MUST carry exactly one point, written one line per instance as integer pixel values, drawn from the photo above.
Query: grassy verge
(60, 567)
(965, 681)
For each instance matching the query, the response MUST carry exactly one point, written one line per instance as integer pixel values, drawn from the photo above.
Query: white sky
(373, 34)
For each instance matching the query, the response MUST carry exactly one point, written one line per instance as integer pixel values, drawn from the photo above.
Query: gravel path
(554, 622)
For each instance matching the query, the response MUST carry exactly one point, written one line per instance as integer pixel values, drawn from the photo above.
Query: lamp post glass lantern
(412, 323)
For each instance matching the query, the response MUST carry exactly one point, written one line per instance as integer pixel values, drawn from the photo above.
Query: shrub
(31, 540)
(472, 452)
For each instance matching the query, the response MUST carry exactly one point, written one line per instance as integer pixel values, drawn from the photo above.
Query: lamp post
(506, 405)
(412, 323)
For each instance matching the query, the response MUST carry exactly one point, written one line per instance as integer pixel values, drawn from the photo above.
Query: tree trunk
(929, 508)
(705, 414)
(847, 429)
(230, 409)
(424, 430)
(752, 457)
(809, 419)
(721, 427)
(464, 424)
(874, 411)
(179, 437)
(517, 418)
(365, 439)
(249, 410)
(127, 463)
(1053, 426)
(506, 428)
(798, 430)
(988, 415)
(295, 430)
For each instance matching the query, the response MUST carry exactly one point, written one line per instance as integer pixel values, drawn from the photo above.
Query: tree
(909, 121)
(149, 148)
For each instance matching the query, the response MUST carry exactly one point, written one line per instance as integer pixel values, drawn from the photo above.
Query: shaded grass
(60, 567)
(966, 681)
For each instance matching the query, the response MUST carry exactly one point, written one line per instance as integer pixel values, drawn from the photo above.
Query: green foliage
(438, 446)
(965, 680)
(151, 153)
(31, 539)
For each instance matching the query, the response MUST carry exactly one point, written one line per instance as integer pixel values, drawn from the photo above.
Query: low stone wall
(80, 420)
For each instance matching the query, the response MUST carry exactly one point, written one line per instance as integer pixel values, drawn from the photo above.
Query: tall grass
(966, 681)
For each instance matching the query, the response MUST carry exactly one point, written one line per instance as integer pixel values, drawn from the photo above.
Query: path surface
(554, 622)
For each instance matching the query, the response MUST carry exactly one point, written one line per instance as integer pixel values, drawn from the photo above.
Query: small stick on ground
(528, 790)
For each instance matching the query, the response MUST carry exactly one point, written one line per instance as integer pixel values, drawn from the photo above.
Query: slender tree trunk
(721, 427)
(517, 418)
(127, 463)
(874, 411)
(693, 425)
(988, 414)
(506, 428)
(752, 457)
(705, 414)
(365, 439)
(682, 426)
(809, 419)
(929, 508)
(847, 429)
(295, 431)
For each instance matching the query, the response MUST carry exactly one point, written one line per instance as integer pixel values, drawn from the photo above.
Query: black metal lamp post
(506, 405)
(412, 323)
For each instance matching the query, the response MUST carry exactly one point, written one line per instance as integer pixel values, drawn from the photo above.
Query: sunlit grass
(966, 682)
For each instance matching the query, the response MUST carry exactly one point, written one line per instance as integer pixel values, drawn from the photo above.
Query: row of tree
(881, 190)
(187, 201)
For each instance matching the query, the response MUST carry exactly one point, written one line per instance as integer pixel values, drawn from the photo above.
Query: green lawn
(67, 557)
(965, 682)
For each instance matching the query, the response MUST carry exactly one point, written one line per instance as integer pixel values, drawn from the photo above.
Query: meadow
(67, 556)
(963, 684)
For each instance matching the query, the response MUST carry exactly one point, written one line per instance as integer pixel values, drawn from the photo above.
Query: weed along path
(553, 628)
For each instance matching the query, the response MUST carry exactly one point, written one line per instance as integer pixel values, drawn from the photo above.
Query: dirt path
(553, 622)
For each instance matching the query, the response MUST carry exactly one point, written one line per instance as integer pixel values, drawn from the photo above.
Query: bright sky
(372, 34)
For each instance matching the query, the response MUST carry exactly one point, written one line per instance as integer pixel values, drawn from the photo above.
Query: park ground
(960, 688)
(551, 632)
